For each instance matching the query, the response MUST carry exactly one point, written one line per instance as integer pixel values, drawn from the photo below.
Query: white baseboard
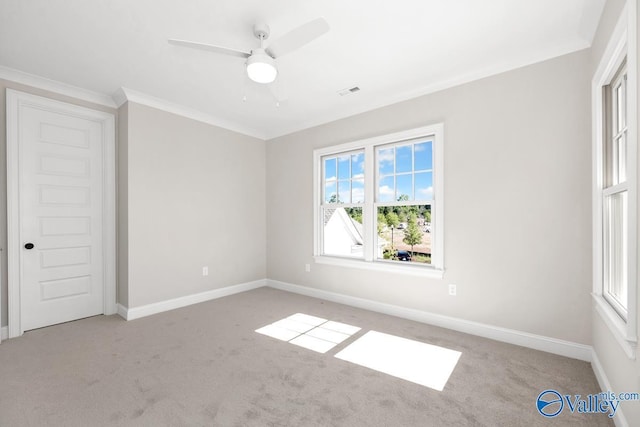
(159, 307)
(122, 311)
(619, 419)
(511, 336)
(4, 333)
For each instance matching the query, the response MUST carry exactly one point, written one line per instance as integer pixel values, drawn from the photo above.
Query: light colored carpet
(205, 366)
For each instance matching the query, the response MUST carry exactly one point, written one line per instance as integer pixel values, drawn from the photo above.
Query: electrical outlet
(452, 290)
(205, 271)
(307, 268)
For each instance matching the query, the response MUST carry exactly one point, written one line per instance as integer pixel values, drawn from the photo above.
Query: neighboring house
(343, 235)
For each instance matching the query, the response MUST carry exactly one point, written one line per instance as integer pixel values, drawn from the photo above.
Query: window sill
(616, 325)
(387, 267)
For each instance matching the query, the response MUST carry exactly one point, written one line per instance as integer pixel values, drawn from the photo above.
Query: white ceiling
(392, 50)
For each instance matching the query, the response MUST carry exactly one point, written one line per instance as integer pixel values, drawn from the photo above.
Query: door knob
(29, 246)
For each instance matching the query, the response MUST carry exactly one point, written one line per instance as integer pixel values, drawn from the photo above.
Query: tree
(392, 221)
(412, 234)
(382, 221)
(355, 213)
(427, 215)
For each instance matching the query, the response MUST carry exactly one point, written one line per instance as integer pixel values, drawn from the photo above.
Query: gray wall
(517, 202)
(189, 195)
(4, 84)
(195, 197)
(622, 372)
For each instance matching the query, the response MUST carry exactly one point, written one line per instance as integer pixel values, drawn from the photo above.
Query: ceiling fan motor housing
(261, 31)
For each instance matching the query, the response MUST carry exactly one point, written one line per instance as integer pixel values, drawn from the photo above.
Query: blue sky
(401, 170)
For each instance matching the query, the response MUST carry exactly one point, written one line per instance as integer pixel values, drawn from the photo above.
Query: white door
(61, 224)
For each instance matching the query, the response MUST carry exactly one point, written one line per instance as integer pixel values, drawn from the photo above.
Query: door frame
(15, 100)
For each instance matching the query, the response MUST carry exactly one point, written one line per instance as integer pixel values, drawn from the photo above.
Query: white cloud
(422, 146)
(385, 190)
(357, 195)
(426, 193)
(385, 157)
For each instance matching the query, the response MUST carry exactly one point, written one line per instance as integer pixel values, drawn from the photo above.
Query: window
(343, 192)
(615, 194)
(378, 202)
(404, 193)
(614, 109)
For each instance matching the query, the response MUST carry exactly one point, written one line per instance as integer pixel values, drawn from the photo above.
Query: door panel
(61, 213)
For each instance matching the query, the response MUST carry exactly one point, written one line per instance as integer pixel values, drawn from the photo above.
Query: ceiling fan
(261, 65)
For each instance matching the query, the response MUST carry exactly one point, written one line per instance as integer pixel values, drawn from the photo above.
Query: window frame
(612, 186)
(434, 132)
(621, 45)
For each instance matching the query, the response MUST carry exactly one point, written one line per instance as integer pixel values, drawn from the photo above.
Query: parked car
(427, 227)
(402, 226)
(403, 256)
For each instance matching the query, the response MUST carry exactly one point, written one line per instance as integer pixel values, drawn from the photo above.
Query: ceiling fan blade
(211, 48)
(298, 37)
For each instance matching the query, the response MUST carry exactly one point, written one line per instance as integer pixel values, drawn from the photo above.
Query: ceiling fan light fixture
(261, 68)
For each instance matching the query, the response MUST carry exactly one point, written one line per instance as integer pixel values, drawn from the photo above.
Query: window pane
(615, 247)
(357, 165)
(619, 108)
(342, 232)
(344, 191)
(424, 186)
(621, 158)
(357, 191)
(423, 156)
(330, 192)
(404, 187)
(385, 161)
(615, 154)
(404, 159)
(386, 189)
(404, 233)
(330, 169)
(344, 170)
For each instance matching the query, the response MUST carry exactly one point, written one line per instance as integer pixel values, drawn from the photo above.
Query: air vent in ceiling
(348, 91)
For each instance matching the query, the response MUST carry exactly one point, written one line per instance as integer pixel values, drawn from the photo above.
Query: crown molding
(60, 88)
(128, 95)
(121, 96)
(514, 63)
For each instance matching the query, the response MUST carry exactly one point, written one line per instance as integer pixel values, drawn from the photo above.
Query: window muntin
(343, 177)
(615, 195)
(343, 195)
(405, 171)
(616, 124)
(403, 201)
(384, 169)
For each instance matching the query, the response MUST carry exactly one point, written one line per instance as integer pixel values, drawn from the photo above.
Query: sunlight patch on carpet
(310, 332)
(418, 362)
